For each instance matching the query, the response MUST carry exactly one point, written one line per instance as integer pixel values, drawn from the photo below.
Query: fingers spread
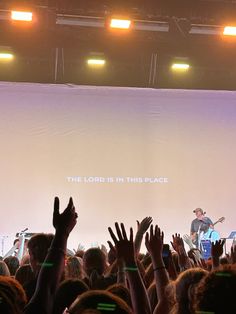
(112, 235)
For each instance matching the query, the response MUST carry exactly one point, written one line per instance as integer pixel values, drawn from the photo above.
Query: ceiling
(65, 33)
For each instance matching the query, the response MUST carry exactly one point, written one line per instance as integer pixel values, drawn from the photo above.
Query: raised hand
(177, 244)
(197, 256)
(125, 252)
(217, 248)
(154, 241)
(187, 239)
(50, 277)
(143, 226)
(124, 246)
(65, 221)
(112, 248)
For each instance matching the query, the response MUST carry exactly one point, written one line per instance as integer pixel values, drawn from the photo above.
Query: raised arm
(53, 266)
(154, 244)
(125, 252)
(142, 228)
(217, 250)
(178, 246)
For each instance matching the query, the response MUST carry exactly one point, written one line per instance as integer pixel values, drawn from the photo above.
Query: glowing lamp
(21, 16)
(121, 24)
(230, 31)
(5, 56)
(96, 62)
(180, 66)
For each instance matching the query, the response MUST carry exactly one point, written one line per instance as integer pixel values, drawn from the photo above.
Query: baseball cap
(198, 210)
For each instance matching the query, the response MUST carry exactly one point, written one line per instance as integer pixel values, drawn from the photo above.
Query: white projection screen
(121, 153)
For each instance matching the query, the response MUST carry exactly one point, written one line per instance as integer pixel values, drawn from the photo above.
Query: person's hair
(99, 300)
(224, 260)
(66, 293)
(39, 244)
(216, 291)
(94, 259)
(12, 264)
(79, 253)
(24, 274)
(4, 271)
(12, 296)
(74, 267)
(184, 287)
(122, 292)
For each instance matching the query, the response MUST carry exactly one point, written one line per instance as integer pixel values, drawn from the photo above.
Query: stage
(121, 153)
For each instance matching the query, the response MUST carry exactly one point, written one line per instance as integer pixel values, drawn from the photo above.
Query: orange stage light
(21, 16)
(230, 31)
(119, 23)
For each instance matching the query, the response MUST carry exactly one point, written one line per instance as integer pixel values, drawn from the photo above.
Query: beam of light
(6, 56)
(121, 24)
(96, 62)
(21, 16)
(229, 31)
(180, 66)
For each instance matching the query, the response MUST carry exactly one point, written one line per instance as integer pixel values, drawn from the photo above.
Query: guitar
(194, 235)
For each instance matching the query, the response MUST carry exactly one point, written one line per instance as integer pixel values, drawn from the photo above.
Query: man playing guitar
(202, 228)
(198, 225)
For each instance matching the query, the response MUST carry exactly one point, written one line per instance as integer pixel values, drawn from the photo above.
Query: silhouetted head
(4, 271)
(67, 292)
(216, 291)
(99, 301)
(94, 259)
(12, 296)
(38, 247)
(184, 287)
(12, 263)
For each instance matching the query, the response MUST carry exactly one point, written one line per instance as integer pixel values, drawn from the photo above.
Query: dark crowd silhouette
(42, 276)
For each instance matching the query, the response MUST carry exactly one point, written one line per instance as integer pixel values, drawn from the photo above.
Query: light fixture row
(99, 62)
(121, 23)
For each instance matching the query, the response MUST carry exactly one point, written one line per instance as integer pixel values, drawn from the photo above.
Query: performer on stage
(198, 225)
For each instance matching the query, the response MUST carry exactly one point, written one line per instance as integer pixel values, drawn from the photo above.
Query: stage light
(5, 56)
(229, 31)
(21, 16)
(96, 62)
(180, 67)
(120, 24)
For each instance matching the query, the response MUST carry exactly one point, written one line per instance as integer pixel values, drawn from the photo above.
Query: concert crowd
(42, 276)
